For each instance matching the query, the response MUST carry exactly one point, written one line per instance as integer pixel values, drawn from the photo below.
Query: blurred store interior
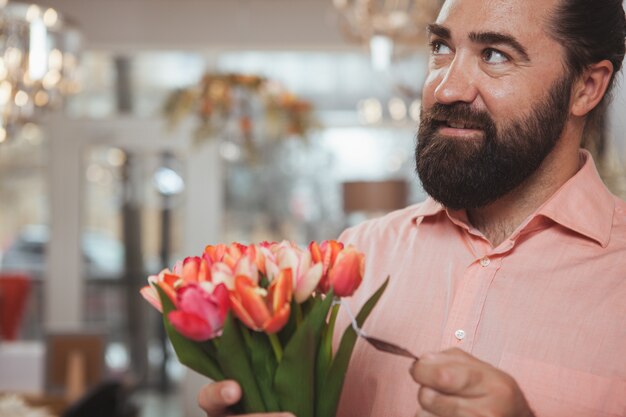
(168, 125)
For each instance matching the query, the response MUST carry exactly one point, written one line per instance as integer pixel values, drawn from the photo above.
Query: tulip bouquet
(264, 316)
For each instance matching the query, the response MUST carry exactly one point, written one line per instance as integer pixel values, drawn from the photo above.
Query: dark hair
(591, 31)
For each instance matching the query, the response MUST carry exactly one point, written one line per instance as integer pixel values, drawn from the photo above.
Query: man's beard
(466, 174)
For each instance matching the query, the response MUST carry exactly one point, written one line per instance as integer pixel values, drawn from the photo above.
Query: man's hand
(455, 384)
(215, 399)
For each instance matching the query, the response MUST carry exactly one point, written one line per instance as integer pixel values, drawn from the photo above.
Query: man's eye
(493, 56)
(439, 48)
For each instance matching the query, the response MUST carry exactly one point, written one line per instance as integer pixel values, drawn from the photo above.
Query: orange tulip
(226, 262)
(346, 274)
(343, 267)
(167, 281)
(326, 253)
(260, 309)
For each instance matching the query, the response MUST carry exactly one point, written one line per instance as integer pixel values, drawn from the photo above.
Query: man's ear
(590, 87)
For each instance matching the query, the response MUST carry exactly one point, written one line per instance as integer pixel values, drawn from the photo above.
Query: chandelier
(385, 24)
(38, 63)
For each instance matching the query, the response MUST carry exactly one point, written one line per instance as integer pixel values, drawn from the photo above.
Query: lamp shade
(375, 196)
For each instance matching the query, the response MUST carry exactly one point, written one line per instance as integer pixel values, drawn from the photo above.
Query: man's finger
(446, 374)
(424, 413)
(437, 403)
(216, 397)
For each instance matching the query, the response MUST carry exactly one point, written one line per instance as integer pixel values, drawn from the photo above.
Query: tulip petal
(194, 300)
(191, 266)
(347, 273)
(278, 321)
(288, 258)
(215, 252)
(281, 290)
(315, 251)
(330, 249)
(308, 283)
(251, 301)
(221, 296)
(272, 270)
(190, 325)
(241, 313)
(222, 274)
(168, 278)
(152, 297)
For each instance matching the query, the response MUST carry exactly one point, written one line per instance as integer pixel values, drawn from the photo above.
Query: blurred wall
(201, 24)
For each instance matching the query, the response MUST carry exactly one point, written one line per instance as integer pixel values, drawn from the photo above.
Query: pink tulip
(199, 313)
(306, 274)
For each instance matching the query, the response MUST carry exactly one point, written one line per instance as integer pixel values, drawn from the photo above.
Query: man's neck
(498, 220)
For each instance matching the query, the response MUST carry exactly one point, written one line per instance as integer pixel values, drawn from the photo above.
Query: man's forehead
(509, 16)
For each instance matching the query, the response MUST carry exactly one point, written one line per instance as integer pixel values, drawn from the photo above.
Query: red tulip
(199, 313)
(260, 309)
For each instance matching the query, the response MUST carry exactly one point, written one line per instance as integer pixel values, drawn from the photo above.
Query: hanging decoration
(386, 24)
(247, 110)
(39, 53)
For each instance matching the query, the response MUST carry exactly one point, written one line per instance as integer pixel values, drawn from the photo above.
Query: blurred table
(23, 367)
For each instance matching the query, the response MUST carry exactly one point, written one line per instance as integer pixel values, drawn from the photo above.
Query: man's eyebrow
(500, 38)
(438, 30)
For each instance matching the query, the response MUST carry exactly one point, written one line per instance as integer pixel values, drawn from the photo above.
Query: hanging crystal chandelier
(38, 63)
(384, 24)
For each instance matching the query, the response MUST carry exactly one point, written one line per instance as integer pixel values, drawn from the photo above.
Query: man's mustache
(458, 113)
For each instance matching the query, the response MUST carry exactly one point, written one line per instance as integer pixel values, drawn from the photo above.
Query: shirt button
(485, 262)
(460, 334)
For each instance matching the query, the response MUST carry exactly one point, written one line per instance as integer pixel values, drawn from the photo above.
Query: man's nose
(458, 84)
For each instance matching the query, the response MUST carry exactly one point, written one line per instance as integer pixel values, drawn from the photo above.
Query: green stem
(298, 314)
(276, 347)
(328, 342)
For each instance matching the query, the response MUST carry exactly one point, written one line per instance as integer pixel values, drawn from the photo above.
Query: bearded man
(512, 274)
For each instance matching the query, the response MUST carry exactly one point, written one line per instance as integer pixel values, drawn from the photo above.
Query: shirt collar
(583, 204)
(430, 207)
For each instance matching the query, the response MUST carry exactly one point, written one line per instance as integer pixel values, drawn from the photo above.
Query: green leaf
(325, 351)
(264, 366)
(328, 400)
(294, 382)
(233, 357)
(192, 354)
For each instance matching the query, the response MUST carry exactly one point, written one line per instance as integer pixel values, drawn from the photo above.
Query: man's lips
(459, 124)
(457, 128)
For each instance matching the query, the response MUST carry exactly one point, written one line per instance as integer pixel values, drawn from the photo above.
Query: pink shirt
(548, 305)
